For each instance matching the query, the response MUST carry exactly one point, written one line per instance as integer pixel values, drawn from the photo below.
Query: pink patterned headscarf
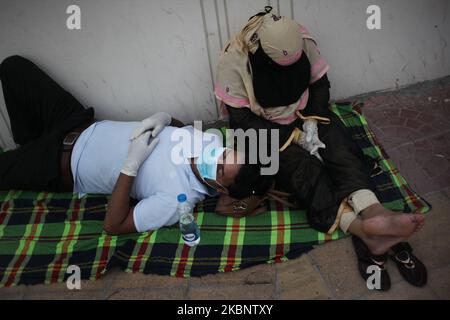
(284, 41)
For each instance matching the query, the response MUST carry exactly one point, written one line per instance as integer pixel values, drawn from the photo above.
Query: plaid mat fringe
(42, 234)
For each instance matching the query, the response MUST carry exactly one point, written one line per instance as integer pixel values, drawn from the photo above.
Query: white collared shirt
(101, 150)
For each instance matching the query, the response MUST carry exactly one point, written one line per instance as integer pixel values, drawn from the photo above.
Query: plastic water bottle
(188, 227)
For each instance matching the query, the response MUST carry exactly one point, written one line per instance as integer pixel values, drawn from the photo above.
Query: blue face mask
(207, 162)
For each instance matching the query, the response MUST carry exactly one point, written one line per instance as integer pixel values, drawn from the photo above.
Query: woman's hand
(311, 140)
(299, 137)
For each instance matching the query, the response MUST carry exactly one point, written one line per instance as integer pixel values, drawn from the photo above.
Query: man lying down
(63, 149)
(146, 168)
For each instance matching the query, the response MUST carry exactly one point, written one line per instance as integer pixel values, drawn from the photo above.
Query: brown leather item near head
(249, 206)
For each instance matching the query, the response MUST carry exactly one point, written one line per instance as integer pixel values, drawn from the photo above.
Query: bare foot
(378, 210)
(398, 225)
(381, 244)
(421, 222)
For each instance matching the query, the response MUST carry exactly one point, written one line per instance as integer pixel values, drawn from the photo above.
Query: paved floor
(414, 126)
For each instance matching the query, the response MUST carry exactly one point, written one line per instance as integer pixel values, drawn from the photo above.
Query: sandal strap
(404, 258)
(379, 264)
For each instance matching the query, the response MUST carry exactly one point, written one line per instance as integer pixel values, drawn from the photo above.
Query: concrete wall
(135, 57)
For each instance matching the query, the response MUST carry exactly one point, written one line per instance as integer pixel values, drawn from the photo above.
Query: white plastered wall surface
(133, 58)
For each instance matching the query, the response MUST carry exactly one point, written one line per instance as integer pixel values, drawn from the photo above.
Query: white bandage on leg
(346, 220)
(361, 199)
(345, 216)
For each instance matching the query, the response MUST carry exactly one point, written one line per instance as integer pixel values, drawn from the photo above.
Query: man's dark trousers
(41, 114)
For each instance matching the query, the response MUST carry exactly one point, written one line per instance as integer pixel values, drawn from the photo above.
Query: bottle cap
(181, 197)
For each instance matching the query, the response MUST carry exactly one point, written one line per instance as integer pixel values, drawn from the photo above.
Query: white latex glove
(308, 146)
(312, 148)
(311, 130)
(312, 141)
(156, 123)
(139, 150)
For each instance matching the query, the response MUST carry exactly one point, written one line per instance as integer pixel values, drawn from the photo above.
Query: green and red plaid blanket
(42, 234)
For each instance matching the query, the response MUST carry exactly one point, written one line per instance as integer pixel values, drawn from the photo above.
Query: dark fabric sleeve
(319, 97)
(245, 119)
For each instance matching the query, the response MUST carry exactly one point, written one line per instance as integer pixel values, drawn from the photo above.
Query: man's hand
(155, 124)
(139, 150)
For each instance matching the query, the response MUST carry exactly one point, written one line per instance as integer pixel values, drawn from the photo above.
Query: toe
(418, 219)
